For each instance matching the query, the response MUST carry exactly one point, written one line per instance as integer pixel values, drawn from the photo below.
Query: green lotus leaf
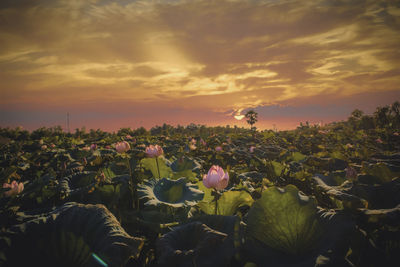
(284, 219)
(228, 203)
(384, 196)
(71, 235)
(173, 193)
(77, 182)
(340, 193)
(193, 244)
(185, 167)
(186, 163)
(380, 172)
(278, 168)
(296, 156)
(151, 165)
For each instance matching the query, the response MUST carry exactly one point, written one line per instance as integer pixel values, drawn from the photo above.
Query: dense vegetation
(315, 196)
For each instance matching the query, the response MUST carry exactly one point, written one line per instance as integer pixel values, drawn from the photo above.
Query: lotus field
(197, 196)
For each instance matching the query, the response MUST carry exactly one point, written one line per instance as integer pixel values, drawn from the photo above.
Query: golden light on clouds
(185, 57)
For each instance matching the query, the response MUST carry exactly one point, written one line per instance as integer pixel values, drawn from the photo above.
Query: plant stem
(158, 169)
(133, 188)
(216, 202)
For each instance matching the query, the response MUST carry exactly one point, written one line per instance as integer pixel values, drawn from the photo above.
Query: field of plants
(200, 196)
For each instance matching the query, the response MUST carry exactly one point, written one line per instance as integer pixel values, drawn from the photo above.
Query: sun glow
(239, 117)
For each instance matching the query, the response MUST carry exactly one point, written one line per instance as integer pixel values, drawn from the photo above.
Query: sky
(126, 63)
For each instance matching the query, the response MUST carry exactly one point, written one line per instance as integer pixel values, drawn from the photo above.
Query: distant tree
(395, 112)
(251, 117)
(382, 116)
(355, 118)
(367, 122)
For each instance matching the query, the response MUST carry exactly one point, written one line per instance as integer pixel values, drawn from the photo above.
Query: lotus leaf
(185, 167)
(341, 193)
(228, 203)
(69, 236)
(384, 196)
(284, 219)
(174, 193)
(296, 156)
(192, 244)
(151, 165)
(77, 183)
(380, 172)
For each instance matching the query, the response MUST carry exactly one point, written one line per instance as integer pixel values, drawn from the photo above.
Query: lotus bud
(216, 178)
(93, 146)
(154, 151)
(251, 149)
(218, 148)
(122, 147)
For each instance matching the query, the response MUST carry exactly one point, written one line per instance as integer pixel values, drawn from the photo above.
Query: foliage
(316, 195)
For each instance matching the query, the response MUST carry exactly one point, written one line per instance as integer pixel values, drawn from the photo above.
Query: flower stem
(133, 187)
(158, 169)
(216, 202)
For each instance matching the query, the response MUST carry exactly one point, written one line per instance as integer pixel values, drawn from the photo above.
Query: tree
(355, 118)
(395, 111)
(382, 116)
(251, 117)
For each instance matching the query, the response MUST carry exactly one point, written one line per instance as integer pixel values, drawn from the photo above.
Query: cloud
(222, 56)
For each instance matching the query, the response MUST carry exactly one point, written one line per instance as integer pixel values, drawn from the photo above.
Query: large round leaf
(194, 243)
(71, 235)
(173, 193)
(284, 219)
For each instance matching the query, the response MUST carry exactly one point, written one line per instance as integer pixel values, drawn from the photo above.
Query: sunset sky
(126, 63)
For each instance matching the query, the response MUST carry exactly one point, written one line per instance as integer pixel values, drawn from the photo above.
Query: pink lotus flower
(122, 147)
(15, 188)
(379, 141)
(108, 147)
(396, 134)
(252, 149)
(86, 148)
(216, 178)
(192, 147)
(154, 151)
(218, 148)
(43, 147)
(193, 141)
(93, 146)
(52, 145)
